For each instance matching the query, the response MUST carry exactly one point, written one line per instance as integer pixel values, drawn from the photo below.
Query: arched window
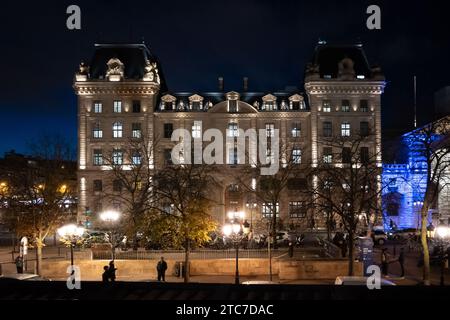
(117, 129)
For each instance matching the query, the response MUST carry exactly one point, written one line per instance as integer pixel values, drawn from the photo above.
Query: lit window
(136, 130)
(97, 132)
(98, 107)
(197, 130)
(326, 106)
(117, 157)
(233, 130)
(233, 156)
(98, 157)
(136, 158)
(270, 130)
(296, 130)
(345, 129)
(117, 106)
(327, 155)
(345, 107)
(267, 210)
(117, 129)
(297, 156)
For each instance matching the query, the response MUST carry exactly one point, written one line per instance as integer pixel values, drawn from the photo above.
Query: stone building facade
(122, 93)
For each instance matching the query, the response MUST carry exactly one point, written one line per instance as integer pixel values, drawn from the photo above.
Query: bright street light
(71, 232)
(443, 233)
(110, 216)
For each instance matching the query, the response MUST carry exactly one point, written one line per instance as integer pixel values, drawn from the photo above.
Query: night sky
(196, 41)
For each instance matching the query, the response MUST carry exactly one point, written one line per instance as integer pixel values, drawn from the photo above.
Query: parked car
(403, 234)
(379, 237)
(358, 281)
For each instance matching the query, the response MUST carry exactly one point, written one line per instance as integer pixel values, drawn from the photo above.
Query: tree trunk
(274, 228)
(350, 254)
(186, 261)
(39, 245)
(426, 253)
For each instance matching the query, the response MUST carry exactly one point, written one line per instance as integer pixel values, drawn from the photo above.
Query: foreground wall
(141, 270)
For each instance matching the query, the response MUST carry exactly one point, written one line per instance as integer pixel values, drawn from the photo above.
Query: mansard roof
(249, 102)
(133, 57)
(327, 59)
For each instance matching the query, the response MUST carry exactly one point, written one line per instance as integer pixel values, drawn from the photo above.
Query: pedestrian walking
(19, 264)
(161, 268)
(401, 261)
(112, 271)
(105, 275)
(384, 262)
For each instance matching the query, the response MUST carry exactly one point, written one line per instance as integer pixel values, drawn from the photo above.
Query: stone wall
(146, 269)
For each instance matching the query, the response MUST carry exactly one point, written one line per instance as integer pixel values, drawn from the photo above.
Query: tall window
(364, 128)
(270, 130)
(117, 185)
(117, 157)
(197, 130)
(232, 106)
(117, 106)
(97, 131)
(363, 106)
(346, 155)
(345, 129)
(327, 155)
(136, 157)
(136, 130)
(297, 155)
(136, 106)
(98, 107)
(117, 129)
(168, 130)
(233, 130)
(168, 157)
(297, 209)
(327, 129)
(267, 210)
(364, 155)
(98, 157)
(296, 130)
(233, 155)
(345, 107)
(98, 185)
(326, 106)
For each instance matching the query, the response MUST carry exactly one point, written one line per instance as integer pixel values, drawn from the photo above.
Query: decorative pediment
(168, 98)
(115, 69)
(151, 72)
(269, 98)
(233, 95)
(195, 98)
(296, 98)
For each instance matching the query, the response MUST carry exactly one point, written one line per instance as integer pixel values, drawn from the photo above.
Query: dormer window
(233, 98)
(269, 102)
(168, 102)
(196, 102)
(296, 102)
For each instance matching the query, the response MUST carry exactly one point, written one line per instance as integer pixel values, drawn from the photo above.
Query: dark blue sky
(196, 41)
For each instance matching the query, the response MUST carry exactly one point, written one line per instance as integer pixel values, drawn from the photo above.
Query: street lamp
(71, 233)
(236, 233)
(111, 217)
(443, 232)
(251, 206)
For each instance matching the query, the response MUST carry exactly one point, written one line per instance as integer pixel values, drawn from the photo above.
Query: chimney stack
(221, 87)
(245, 84)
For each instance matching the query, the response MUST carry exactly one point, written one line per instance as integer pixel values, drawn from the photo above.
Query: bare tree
(347, 183)
(130, 183)
(430, 147)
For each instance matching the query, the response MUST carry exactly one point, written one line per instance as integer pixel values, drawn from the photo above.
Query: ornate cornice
(119, 88)
(353, 87)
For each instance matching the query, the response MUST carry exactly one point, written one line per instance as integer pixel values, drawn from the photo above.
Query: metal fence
(194, 254)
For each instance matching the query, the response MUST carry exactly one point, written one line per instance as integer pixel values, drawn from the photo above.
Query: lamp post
(443, 232)
(251, 206)
(236, 231)
(71, 233)
(111, 217)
